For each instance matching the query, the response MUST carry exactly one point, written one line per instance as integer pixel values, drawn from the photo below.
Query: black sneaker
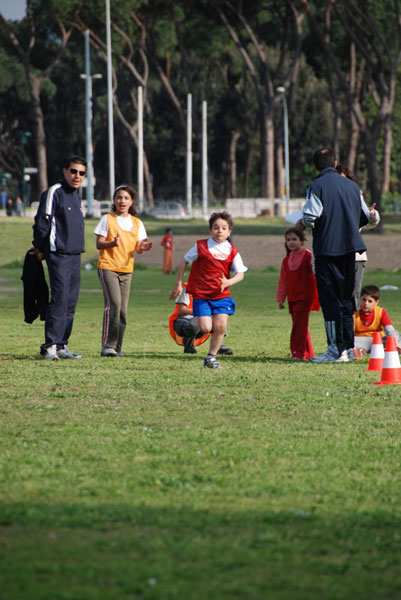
(190, 350)
(211, 363)
(189, 344)
(224, 350)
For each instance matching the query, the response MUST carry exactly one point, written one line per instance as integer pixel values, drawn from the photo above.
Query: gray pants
(116, 288)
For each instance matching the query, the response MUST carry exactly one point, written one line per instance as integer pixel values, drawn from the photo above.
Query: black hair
(371, 290)
(78, 160)
(221, 215)
(323, 158)
(344, 170)
(131, 191)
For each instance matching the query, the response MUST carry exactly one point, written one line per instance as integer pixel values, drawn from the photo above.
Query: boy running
(209, 281)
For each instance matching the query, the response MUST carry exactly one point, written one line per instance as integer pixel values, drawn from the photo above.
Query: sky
(13, 9)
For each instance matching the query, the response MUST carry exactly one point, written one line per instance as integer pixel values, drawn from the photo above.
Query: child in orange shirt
(167, 242)
(119, 234)
(371, 318)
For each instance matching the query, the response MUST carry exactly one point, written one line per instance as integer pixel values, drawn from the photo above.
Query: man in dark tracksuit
(335, 210)
(59, 238)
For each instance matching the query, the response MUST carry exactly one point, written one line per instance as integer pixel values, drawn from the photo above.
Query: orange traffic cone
(376, 353)
(391, 372)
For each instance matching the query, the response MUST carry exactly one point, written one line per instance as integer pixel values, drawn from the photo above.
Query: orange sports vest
(119, 258)
(177, 338)
(361, 330)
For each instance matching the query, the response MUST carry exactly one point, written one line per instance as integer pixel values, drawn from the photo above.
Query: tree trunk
(39, 135)
(235, 135)
(388, 142)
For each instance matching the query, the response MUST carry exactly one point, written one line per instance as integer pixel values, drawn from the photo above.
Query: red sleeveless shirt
(206, 271)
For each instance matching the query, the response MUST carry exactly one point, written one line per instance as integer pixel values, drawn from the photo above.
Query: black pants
(335, 278)
(65, 278)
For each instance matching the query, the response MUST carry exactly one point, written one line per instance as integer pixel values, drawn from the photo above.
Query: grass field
(150, 477)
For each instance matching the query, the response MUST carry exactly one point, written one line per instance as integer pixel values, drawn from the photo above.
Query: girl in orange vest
(297, 283)
(119, 234)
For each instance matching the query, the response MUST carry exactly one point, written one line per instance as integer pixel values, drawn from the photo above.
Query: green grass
(150, 477)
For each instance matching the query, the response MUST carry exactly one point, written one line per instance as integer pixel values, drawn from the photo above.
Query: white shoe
(343, 357)
(51, 353)
(65, 353)
(352, 354)
(108, 352)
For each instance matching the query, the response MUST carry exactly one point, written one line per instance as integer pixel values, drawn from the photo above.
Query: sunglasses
(75, 172)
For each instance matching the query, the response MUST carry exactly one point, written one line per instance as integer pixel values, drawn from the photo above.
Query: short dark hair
(221, 215)
(78, 160)
(131, 191)
(371, 290)
(323, 158)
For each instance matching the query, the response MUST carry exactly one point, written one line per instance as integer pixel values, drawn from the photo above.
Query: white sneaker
(65, 353)
(108, 352)
(51, 353)
(329, 356)
(352, 354)
(343, 357)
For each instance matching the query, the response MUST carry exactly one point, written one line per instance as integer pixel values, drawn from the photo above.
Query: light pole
(110, 101)
(281, 90)
(24, 140)
(88, 121)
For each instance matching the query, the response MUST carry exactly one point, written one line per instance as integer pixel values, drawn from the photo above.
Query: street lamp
(88, 103)
(281, 90)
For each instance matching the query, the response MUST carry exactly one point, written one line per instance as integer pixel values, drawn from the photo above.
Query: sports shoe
(224, 350)
(343, 357)
(51, 353)
(189, 344)
(108, 352)
(211, 363)
(65, 353)
(330, 356)
(120, 353)
(352, 354)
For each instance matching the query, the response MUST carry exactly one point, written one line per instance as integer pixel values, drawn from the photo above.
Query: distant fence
(259, 207)
(247, 208)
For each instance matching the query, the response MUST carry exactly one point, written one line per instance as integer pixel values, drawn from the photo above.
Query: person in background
(335, 210)
(119, 234)
(371, 318)
(58, 237)
(360, 257)
(297, 283)
(167, 242)
(9, 207)
(19, 206)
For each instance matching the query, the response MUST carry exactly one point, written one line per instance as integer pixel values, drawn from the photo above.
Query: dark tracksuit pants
(335, 278)
(65, 276)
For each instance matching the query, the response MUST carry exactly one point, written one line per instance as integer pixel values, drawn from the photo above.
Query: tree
(371, 105)
(24, 43)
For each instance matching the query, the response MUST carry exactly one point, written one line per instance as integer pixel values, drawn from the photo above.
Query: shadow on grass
(126, 551)
(200, 355)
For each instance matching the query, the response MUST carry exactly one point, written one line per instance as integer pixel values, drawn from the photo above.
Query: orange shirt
(367, 325)
(119, 258)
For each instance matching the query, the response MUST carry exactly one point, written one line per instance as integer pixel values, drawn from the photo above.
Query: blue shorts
(207, 308)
